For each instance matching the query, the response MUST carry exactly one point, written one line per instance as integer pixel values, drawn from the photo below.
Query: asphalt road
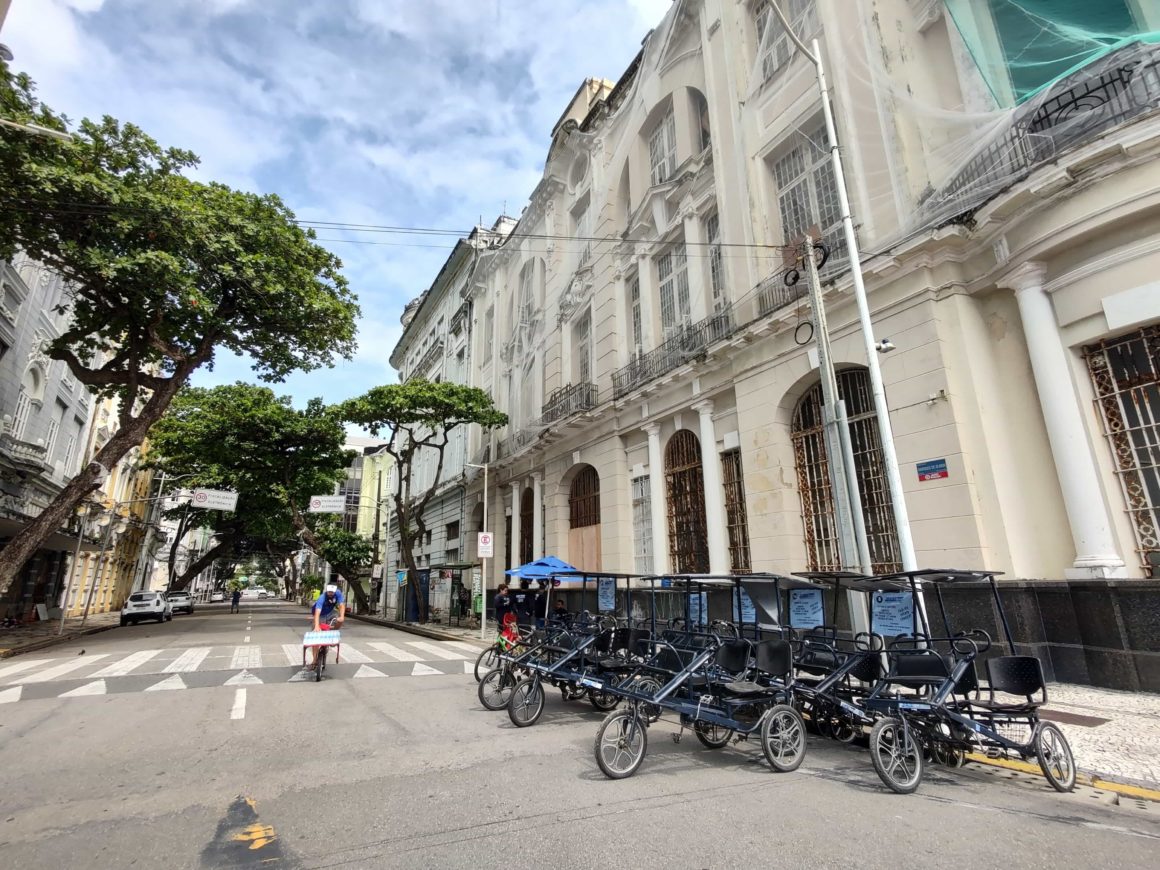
(391, 762)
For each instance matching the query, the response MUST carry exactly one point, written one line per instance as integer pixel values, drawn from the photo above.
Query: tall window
(642, 525)
(582, 348)
(637, 338)
(527, 291)
(70, 445)
(716, 265)
(20, 418)
(672, 273)
(688, 527)
(736, 518)
(774, 46)
(662, 149)
(701, 113)
(807, 194)
(584, 499)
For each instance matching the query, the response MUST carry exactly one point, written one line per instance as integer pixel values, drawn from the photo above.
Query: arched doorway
(527, 527)
(813, 473)
(584, 520)
(688, 529)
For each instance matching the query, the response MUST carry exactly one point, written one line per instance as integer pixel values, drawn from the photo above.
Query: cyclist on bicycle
(329, 611)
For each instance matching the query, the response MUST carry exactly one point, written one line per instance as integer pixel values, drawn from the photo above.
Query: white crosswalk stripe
(22, 666)
(188, 661)
(169, 684)
(396, 654)
(10, 695)
(60, 670)
(425, 671)
(248, 657)
(245, 678)
(293, 653)
(127, 664)
(466, 647)
(94, 688)
(350, 655)
(438, 651)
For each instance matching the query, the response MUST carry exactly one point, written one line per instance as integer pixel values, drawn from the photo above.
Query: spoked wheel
(495, 689)
(621, 742)
(783, 738)
(320, 665)
(648, 686)
(947, 755)
(488, 660)
(1055, 758)
(603, 701)
(712, 736)
(832, 725)
(897, 756)
(572, 692)
(526, 704)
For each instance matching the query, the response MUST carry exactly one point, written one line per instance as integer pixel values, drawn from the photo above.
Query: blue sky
(427, 113)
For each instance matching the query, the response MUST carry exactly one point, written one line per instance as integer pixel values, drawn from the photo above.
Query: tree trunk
(207, 559)
(360, 595)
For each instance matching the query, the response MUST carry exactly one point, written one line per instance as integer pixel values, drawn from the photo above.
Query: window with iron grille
(584, 499)
(807, 194)
(673, 275)
(635, 315)
(527, 291)
(774, 45)
(716, 265)
(662, 149)
(582, 347)
(642, 525)
(527, 528)
(813, 473)
(1125, 373)
(688, 527)
(736, 518)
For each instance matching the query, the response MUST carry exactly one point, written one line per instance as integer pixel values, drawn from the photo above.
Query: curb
(422, 631)
(1092, 780)
(53, 641)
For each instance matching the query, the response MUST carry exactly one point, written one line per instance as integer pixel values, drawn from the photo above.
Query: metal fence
(687, 343)
(569, 400)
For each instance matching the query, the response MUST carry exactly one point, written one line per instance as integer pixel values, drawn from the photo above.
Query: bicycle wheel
(572, 692)
(648, 686)
(783, 738)
(320, 664)
(1054, 756)
(487, 661)
(526, 704)
(495, 689)
(897, 756)
(621, 742)
(712, 736)
(603, 701)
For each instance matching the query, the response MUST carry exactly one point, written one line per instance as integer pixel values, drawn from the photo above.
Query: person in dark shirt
(541, 605)
(523, 599)
(502, 604)
(560, 613)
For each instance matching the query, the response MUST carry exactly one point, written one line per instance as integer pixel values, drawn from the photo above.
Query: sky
(416, 113)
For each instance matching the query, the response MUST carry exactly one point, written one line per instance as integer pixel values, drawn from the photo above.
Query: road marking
(10, 695)
(188, 661)
(247, 640)
(94, 688)
(301, 677)
(352, 656)
(246, 657)
(168, 684)
(23, 666)
(438, 651)
(424, 671)
(368, 671)
(293, 653)
(1134, 791)
(466, 647)
(121, 668)
(239, 710)
(245, 678)
(61, 670)
(399, 655)
(468, 668)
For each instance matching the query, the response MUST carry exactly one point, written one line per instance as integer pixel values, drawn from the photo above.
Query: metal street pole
(72, 572)
(885, 433)
(386, 546)
(483, 559)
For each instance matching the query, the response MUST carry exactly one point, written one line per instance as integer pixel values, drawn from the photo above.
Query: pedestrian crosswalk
(249, 664)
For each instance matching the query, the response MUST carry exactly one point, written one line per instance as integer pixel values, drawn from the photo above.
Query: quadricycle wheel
(783, 738)
(897, 755)
(621, 742)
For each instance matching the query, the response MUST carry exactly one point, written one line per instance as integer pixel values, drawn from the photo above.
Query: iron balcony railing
(686, 344)
(1105, 94)
(569, 400)
(428, 359)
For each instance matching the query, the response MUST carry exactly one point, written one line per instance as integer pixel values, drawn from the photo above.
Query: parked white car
(180, 600)
(146, 605)
(215, 597)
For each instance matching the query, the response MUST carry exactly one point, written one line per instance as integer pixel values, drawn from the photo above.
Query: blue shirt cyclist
(329, 608)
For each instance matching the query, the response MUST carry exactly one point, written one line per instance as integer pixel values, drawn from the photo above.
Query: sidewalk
(436, 632)
(39, 635)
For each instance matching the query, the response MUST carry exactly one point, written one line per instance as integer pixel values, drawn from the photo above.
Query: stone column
(514, 543)
(650, 307)
(714, 491)
(538, 515)
(656, 489)
(697, 267)
(1091, 527)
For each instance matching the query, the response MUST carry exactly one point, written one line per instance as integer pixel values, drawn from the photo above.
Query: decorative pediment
(578, 291)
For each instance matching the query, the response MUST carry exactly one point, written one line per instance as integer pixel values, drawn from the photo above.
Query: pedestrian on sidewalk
(522, 598)
(502, 604)
(235, 600)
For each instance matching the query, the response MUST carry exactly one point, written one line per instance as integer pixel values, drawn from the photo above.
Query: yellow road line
(1136, 791)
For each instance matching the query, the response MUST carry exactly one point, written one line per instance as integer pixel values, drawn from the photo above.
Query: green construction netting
(1022, 46)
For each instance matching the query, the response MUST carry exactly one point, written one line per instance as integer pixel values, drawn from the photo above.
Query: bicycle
(321, 645)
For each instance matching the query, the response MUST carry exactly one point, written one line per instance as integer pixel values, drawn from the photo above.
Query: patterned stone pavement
(1113, 734)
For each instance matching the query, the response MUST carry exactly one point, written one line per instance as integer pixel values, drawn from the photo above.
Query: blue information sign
(932, 469)
(747, 611)
(893, 613)
(606, 594)
(806, 608)
(698, 608)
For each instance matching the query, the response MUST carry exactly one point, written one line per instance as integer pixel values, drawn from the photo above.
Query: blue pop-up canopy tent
(540, 569)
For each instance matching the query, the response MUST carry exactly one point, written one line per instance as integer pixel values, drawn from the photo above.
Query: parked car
(263, 593)
(146, 605)
(215, 597)
(250, 593)
(181, 600)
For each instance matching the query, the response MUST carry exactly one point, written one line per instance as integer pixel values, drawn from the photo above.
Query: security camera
(884, 346)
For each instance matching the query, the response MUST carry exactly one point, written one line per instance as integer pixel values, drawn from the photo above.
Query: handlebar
(978, 640)
(868, 641)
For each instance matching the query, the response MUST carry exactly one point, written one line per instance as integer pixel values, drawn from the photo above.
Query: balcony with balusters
(687, 344)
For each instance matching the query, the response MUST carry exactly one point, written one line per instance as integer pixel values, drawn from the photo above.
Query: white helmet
(331, 589)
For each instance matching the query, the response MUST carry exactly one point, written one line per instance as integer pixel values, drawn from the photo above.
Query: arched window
(584, 550)
(813, 472)
(688, 528)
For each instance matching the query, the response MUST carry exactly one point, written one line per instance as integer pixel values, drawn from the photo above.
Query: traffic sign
(327, 504)
(486, 546)
(214, 499)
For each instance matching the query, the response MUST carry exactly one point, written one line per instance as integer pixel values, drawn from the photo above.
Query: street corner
(242, 839)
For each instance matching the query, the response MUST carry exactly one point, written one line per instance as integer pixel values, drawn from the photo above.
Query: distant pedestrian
(560, 614)
(502, 604)
(522, 598)
(235, 601)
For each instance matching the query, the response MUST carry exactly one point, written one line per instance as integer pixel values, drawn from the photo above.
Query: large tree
(163, 271)
(420, 417)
